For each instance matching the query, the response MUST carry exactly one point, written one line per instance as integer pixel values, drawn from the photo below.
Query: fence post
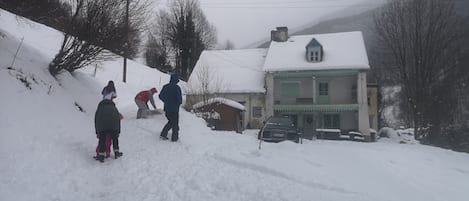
(95, 69)
(262, 133)
(17, 50)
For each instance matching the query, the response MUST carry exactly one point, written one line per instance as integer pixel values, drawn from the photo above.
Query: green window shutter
(323, 89)
(290, 89)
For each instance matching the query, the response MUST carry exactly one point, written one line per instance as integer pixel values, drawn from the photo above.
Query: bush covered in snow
(403, 136)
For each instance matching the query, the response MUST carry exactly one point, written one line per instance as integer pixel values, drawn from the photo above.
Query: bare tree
(139, 13)
(94, 26)
(186, 30)
(421, 37)
(205, 83)
(156, 54)
(69, 56)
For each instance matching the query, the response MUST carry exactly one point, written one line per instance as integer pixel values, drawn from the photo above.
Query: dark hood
(174, 78)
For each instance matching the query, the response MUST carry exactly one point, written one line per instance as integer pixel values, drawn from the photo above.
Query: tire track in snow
(265, 170)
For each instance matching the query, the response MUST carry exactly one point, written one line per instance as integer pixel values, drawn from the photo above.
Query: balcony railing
(304, 100)
(315, 107)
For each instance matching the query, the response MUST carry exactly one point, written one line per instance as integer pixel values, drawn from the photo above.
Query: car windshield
(279, 121)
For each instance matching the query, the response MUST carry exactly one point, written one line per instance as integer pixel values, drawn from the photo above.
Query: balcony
(315, 108)
(307, 105)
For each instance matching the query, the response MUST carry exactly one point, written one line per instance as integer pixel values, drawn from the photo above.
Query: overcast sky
(245, 22)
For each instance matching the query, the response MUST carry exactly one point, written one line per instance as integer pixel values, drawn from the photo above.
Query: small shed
(221, 113)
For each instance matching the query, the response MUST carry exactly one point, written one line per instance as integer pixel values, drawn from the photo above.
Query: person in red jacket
(141, 100)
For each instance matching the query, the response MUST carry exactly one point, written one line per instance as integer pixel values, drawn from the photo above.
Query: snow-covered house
(318, 80)
(221, 113)
(234, 75)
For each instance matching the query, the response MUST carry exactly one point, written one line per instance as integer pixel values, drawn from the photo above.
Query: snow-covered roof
(344, 50)
(221, 100)
(229, 71)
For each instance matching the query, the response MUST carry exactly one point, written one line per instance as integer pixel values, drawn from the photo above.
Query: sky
(47, 144)
(246, 22)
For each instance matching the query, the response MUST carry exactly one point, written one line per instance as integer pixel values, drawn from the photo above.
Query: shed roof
(220, 100)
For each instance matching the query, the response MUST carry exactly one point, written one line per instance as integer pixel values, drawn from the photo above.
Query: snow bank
(401, 135)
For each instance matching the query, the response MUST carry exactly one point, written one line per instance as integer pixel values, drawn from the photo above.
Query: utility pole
(126, 44)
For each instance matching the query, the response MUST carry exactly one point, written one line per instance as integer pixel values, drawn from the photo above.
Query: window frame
(256, 111)
(333, 119)
(320, 91)
(314, 56)
(291, 92)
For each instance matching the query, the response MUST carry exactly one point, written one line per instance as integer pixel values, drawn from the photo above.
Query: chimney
(279, 35)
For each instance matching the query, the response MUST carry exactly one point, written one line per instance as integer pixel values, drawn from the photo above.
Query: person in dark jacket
(172, 99)
(108, 92)
(107, 121)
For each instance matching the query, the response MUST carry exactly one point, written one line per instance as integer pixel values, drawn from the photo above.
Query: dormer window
(314, 56)
(314, 52)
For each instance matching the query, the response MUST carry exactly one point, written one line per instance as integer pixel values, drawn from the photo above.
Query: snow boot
(118, 154)
(99, 158)
(164, 137)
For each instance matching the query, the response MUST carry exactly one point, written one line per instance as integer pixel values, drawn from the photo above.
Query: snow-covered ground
(47, 144)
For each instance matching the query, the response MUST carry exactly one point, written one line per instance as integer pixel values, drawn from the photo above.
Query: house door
(308, 126)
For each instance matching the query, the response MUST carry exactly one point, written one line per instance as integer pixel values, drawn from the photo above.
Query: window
(290, 89)
(332, 121)
(256, 112)
(314, 56)
(323, 88)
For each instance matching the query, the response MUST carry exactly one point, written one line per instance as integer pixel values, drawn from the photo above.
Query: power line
(235, 2)
(293, 7)
(265, 2)
(286, 4)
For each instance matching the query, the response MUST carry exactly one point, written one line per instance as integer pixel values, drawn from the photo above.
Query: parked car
(277, 129)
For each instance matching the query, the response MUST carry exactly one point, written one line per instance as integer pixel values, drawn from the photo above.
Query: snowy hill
(46, 144)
